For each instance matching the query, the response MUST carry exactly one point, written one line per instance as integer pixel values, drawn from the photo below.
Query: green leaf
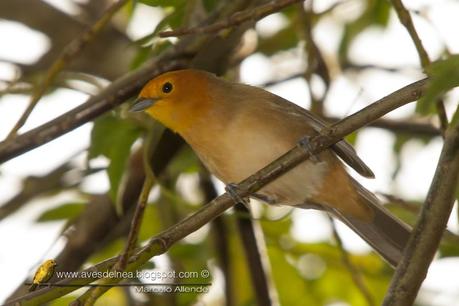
(243, 293)
(111, 249)
(175, 19)
(172, 20)
(142, 55)
(113, 137)
(352, 138)
(185, 161)
(289, 283)
(162, 3)
(191, 259)
(444, 75)
(455, 119)
(210, 5)
(282, 40)
(62, 212)
(62, 301)
(151, 224)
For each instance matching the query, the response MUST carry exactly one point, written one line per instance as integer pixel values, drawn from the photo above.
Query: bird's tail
(385, 233)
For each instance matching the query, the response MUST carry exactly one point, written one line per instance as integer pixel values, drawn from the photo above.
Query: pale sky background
(24, 242)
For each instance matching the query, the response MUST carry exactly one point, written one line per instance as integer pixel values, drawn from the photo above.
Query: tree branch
(251, 14)
(109, 56)
(427, 233)
(255, 252)
(405, 19)
(401, 126)
(407, 127)
(115, 94)
(34, 186)
(220, 236)
(99, 224)
(209, 54)
(70, 51)
(315, 61)
(163, 241)
(136, 223)
(396, 126)
(91, 296)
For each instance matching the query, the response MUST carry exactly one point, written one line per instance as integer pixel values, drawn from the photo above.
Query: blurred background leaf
(113, 137)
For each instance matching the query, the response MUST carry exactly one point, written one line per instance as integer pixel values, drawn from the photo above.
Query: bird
(237, 129)
(43, 274)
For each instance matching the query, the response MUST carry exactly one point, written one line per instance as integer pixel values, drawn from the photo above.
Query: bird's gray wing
(342, 148)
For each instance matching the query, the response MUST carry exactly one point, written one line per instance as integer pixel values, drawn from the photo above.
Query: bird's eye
(167, 87)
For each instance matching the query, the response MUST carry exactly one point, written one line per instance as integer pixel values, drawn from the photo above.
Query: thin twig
(327, 137)
(220, 234)
(427, 233)
(149, 148)
(405, 19)
(407, 127)
(355, 272)
(136, 223)
(91, 296)
(70, 52)
(315, 60)
(346, 66)
(255, 252)
(252, 14)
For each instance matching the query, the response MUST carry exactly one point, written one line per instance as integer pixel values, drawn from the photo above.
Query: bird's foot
(232, 190)
(305, 144)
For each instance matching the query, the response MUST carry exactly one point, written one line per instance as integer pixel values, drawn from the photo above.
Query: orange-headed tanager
(237, 129)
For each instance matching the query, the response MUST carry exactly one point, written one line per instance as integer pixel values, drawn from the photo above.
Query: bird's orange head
(177, 99)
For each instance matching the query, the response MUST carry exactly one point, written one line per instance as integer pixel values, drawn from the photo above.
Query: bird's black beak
(141, 104)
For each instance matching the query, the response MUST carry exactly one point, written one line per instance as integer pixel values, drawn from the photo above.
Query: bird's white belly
(242, 155)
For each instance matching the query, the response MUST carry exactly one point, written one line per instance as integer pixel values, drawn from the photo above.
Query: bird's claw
(232, 189)
(305, 144)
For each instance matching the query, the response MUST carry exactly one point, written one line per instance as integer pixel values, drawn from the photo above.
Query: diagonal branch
(136, 223)
(115, 94)
(251, 14)
(163, 241)
(91, 296)
(70, 51)
(430, 227)
(405, 19)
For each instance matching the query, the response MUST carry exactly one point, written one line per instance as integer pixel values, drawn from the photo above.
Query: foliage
(62, 212)
(444, 75)
(113, 137)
